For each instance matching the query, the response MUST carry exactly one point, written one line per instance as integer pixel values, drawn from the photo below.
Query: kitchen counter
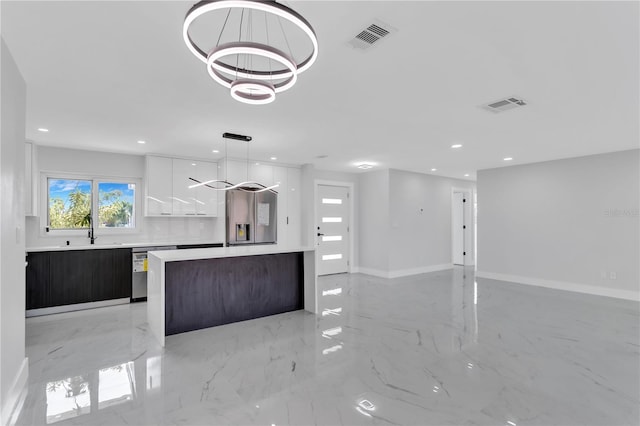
(199, 288)
(117, 245)
(234, 251)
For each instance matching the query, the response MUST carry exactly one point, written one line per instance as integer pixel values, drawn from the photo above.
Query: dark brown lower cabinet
(111, 275)
(37, 279)
(210, 292)
(59, 278)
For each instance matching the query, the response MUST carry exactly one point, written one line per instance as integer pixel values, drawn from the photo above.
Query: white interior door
(458, 228)
(332, 229)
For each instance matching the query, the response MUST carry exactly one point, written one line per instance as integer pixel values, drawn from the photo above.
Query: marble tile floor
(431, 349)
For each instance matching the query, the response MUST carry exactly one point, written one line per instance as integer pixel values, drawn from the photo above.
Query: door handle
(319, 234)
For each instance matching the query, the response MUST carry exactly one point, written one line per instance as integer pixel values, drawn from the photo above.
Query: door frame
(350, 186)
(469, 236)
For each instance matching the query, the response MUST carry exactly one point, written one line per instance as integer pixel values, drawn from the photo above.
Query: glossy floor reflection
(430, 349)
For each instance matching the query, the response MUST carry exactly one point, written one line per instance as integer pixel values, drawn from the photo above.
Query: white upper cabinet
(184, 198)
(206, 198)
(289, 209)
(159, 186)
(261, 173)
(236, 172)
(168, 193)
(239, 171)
(280, 178)
(294, 206)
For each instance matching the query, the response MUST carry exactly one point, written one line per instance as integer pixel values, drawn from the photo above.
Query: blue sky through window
(127, 191)
(61, 188)
(115, 205)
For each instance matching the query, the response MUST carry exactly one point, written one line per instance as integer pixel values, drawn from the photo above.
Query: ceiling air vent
(371, 35)
(504, 104)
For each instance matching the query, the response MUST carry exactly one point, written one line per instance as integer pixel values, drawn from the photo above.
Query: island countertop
(219, 252)
(201, 274)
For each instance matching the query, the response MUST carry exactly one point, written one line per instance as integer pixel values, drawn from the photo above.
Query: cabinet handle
(166, 214)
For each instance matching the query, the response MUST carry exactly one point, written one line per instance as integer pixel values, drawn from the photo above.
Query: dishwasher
(139, 278)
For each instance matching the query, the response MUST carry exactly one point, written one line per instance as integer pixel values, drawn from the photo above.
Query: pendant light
(224, 184)
(252, 54)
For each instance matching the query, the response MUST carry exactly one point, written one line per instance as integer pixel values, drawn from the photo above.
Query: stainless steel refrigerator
(251, 217)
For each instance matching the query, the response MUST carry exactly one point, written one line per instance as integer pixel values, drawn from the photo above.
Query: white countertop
(218, 252)
(117, 245)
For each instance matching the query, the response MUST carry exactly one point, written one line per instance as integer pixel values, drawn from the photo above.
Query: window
(78, 204)
(115, 205)
(69, 203)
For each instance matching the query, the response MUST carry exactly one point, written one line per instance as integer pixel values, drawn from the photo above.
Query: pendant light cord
(239, 40)
(266, 27)
(285, 37)
(223, 27)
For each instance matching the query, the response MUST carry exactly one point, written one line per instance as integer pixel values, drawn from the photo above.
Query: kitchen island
(200, 288)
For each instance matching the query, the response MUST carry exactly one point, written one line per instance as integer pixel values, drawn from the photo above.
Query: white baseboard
(15, 396)
(404, 272)
(563, 285)
(75, 307)
(422, 270)
(374, 272)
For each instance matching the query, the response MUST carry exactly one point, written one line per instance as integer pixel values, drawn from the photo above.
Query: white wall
(566, 224)
(420, 219)
(405, 222)
(13, 364)
(104, 164)
(373, 222)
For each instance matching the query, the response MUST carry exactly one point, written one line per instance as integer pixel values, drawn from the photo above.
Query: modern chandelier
(252, 54)
(224, 184)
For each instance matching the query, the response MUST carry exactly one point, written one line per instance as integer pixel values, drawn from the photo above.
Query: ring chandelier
(246, 83)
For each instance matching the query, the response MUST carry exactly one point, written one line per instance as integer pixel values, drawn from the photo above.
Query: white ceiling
(102, 75)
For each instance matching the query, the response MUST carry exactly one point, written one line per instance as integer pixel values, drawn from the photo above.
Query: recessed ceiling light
(43, 130)
(142, 142)
(257, 164)
(193, 164)
(215, 151)
(507, 158)
(457, 145)
(365, 166)
(434, 170)
(466, 175)
(274, 158)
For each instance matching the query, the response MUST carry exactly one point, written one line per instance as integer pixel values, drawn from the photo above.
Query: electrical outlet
(603, 274)
(612, 275)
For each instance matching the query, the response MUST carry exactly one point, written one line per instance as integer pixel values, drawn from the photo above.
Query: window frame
(47, 207)
(95, 203)
(45, 230)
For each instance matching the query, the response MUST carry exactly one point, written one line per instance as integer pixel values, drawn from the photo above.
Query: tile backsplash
(152, 229)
